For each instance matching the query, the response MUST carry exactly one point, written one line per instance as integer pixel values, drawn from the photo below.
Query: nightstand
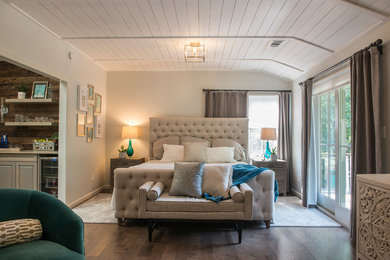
(280, 169)
(122, 163)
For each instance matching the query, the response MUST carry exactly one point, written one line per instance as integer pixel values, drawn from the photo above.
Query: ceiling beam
(200, 37)
(156, 60)
(362, 9)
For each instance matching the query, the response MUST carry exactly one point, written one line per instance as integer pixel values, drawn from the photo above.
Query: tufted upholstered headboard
(201, 127)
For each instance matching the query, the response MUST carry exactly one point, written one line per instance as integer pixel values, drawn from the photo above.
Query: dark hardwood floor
(201, 241)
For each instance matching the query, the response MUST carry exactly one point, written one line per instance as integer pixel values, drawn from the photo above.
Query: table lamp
(129, 132)
(268, 134)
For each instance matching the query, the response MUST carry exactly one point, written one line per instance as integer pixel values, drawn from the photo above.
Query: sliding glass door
(333, 128)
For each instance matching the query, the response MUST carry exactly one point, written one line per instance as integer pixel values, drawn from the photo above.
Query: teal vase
(267, 153)
(130, 150)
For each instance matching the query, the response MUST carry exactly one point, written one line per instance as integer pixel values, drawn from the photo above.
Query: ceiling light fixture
(194, 53)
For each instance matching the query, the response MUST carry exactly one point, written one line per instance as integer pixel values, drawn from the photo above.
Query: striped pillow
(19, 231)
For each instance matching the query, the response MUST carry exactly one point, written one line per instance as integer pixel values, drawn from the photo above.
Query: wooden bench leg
(151, 227)
(239, 231)
(268, 223)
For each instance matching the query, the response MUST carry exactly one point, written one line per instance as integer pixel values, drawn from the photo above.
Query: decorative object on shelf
(44, 145)
(268, 134)
(3, 110)
(129, 132)
(21, 91)
(89, 134)
(39, 89)
(91, 92)
(98, 127)
(194, 52)
(122, 151)
(90, 114)
(80, 124)
(273, 155)
(98, 103)
(82, 97)
(4, 142)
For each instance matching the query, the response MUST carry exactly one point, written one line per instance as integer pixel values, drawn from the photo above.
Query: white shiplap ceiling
(149, 35)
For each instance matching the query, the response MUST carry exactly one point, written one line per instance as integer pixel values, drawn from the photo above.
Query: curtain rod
(376, 43)
(246, 90)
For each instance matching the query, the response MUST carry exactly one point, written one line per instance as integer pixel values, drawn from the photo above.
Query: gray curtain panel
(366, 120)
(284, 128)
(226, 104)
(307, 90)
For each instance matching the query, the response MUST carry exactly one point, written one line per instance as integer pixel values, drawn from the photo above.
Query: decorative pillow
(220, 154)
(195, 152)
(190, 139)
(239, 151)
(155, 191)
(187, 179)
(236, 194)
(19, 231)
(173, 153)
(158, 149)
(217, 179)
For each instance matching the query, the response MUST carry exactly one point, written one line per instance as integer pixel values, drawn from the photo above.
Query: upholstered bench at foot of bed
(168, 207)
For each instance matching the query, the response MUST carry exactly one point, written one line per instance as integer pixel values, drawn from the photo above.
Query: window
(263, 111)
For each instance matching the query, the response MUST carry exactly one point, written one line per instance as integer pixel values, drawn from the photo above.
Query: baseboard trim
(296, 193)
(86, 197)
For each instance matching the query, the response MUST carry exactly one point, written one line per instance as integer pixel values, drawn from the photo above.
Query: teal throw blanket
(242, 173)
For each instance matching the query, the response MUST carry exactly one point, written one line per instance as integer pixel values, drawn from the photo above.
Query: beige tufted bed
(128, 180)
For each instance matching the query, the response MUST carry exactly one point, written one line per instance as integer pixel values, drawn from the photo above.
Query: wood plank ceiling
(149, 35)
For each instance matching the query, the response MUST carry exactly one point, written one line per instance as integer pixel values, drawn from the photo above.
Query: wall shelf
(29, 123)
(29, 101)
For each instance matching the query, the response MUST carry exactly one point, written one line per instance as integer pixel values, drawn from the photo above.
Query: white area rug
(288, 213)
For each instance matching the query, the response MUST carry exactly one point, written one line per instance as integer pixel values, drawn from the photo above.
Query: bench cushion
(189, 204)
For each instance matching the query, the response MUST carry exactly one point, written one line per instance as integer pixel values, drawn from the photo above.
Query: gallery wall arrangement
(89, 122)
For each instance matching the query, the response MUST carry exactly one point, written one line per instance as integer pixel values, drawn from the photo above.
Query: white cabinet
(7, 175)
(19, 172)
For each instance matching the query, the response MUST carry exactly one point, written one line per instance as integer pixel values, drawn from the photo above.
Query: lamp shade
(268, 133)
(129, 132)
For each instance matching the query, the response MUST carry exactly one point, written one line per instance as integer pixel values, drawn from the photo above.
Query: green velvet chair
(63, 230)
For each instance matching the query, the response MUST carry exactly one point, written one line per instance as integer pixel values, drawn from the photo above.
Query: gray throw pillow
(190, 139)
(239, 151)
(158, 149)
(187, 180)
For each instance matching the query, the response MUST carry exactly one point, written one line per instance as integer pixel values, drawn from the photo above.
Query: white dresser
(373, 216)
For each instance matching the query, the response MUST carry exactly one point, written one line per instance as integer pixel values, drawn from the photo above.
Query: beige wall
(382, 32)
(133, 97)
(28, 43)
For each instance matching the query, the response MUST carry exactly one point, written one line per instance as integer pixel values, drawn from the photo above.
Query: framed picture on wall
(89, 134)
(82, 96)
(39, 89)
(90, 114)
(98, 103)
(98, 127)
(80, 124)
(91, 93)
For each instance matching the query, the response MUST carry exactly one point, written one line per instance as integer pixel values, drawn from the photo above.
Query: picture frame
(80, 125)
(90, 114)
(82, 98)
(91, 93)
(39, 89)
(98, 127)
(98, 103)
(89, 134)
